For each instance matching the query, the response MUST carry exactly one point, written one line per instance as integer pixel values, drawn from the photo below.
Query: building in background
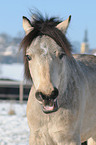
(85, 44)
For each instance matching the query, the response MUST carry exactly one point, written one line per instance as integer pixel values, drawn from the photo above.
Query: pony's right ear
(27, 25)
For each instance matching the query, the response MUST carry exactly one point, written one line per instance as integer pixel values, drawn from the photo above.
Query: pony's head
(45, 52)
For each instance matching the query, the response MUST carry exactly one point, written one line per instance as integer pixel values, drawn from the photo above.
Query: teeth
(48, 107)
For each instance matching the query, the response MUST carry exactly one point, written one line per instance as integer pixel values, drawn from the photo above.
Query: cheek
(34, 73)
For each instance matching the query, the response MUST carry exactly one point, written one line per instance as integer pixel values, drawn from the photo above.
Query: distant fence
(14, 90)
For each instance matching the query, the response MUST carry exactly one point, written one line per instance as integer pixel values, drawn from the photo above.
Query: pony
(61, 108)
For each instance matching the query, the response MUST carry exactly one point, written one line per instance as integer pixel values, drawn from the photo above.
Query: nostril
(54, 93)
(39, 96)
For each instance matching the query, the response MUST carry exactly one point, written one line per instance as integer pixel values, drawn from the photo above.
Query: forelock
(45, 26)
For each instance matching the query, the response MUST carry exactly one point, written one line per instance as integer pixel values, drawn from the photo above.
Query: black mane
(44, 26)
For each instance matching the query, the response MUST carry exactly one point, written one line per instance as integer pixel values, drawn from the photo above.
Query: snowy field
(13, 71)
(13, 126)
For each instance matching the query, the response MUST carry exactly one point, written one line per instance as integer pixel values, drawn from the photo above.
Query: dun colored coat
(61, 107)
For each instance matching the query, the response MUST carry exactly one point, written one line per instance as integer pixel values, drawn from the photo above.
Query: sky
(83, 14)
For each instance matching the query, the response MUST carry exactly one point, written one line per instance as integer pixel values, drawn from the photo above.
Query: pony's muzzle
(49, 102)
(40, 96)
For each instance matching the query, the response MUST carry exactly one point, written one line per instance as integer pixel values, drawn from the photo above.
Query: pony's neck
(70, 89)
(71, 75)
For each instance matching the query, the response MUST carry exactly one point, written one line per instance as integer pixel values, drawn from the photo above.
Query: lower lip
(48, 109)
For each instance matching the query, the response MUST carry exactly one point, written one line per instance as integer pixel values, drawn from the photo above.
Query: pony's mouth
(50, 106)
(48, 102)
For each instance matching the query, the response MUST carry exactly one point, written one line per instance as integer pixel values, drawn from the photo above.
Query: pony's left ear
(64, 25)
(27, 25)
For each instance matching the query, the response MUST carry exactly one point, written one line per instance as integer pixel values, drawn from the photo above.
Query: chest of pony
(56, 124)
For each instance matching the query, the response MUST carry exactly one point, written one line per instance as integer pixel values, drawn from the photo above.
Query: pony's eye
(61, 55)
(28, 57)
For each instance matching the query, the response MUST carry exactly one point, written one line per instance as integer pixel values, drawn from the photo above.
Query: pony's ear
(27, 25)
(64, 25)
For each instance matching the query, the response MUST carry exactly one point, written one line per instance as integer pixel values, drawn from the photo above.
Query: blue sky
(83, 16)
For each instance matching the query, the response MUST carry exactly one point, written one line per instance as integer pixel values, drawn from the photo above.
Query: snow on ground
(13, 71)
(14, 129)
